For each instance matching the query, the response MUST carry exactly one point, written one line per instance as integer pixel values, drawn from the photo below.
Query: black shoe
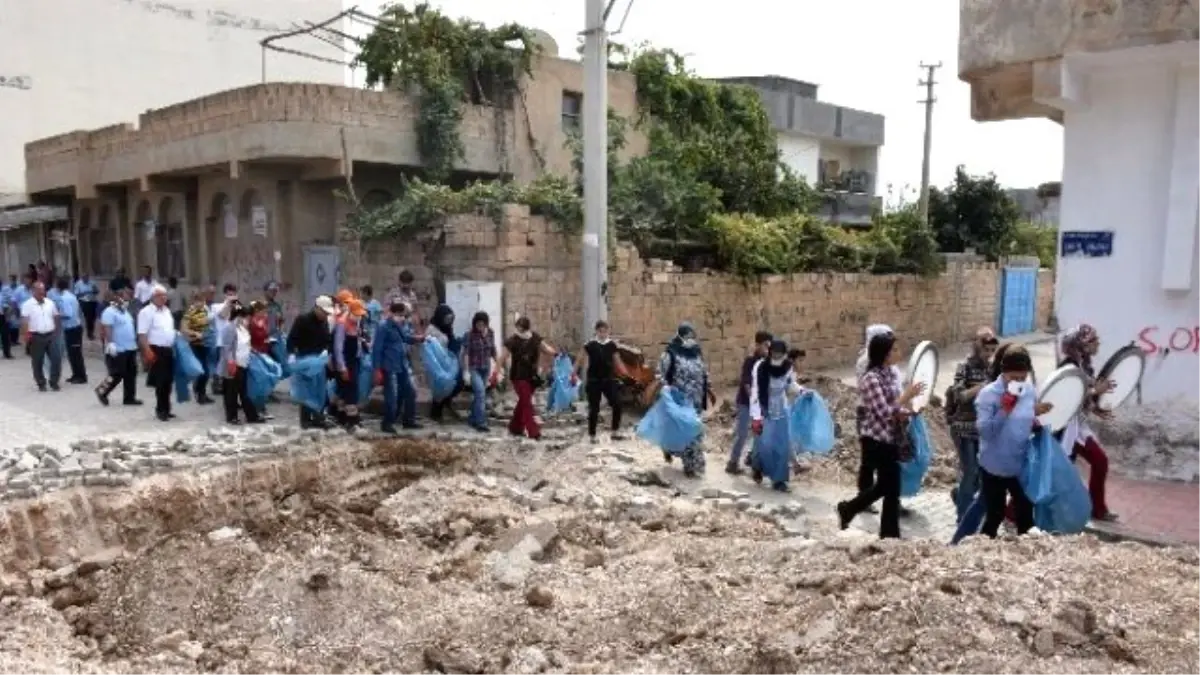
(481, 428)
(412, 425)
(616, 436)
(905, 512)
(844, 517)
(102, 397)
(256, 420)
(77, 380)
(733, 469)
(668, 458)
(756, 475)
(233, 422)
(41, 387)
(55, 387)
(388, 429)
(204, 399)
(163, 417)
(780, 486)
(136, 401)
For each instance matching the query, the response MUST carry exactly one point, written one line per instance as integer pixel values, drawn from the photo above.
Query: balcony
(847, 208)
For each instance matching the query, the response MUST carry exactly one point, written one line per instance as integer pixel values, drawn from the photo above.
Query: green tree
(1036, 240)
(973, 212)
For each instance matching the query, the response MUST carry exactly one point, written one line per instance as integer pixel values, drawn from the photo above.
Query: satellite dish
(1065, 389)
(923, 367)
(1124, 369)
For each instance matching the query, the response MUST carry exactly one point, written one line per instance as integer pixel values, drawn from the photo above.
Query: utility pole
(595, 166)
(928, 82)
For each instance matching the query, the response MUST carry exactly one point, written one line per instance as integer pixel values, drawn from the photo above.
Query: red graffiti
(1181, 339)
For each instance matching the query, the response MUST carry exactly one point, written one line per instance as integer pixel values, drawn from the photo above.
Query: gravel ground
(502, 562)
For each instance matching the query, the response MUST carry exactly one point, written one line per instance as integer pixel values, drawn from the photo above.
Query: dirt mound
(841, 465)
(561, 570)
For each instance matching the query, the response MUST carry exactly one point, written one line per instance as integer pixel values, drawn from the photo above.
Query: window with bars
(572, 111)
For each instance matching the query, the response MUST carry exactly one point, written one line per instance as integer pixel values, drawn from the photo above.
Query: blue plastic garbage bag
(279, 355)
(773, 450)
(1069, 508)
(442, 369)
(810, 424)
(913, 471)
(671, 423)
(365, 379)
(972, 520)
(309, 382)
(262, 374)
(1036, 473)
(187, 369)
(562, 393)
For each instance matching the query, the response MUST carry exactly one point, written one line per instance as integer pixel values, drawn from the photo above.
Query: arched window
(168, 239)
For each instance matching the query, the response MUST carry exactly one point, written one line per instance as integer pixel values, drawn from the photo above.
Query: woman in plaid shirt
(884, 406)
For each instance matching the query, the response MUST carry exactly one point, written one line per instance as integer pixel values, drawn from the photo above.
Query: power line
(928, 83)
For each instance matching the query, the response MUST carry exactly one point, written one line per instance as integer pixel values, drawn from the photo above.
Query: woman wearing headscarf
(970, 378)
(682, 366)
(884, 405)
(865, 472)
(441, 328)
(771, 381)
(347, 353)
(1079, 345)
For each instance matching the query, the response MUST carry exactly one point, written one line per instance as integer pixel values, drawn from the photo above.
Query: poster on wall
(258, 220)
(230, 221)
(1087, 244)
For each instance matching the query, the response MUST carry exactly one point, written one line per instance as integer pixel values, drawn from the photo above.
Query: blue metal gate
(1018, 300)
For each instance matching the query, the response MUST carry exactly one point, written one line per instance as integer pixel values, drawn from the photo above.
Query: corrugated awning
(32, 214)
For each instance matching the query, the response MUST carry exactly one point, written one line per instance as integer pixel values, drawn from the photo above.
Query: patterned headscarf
(1075, 345)
(685, 332)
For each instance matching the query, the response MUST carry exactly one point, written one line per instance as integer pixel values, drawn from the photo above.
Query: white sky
(863, 53)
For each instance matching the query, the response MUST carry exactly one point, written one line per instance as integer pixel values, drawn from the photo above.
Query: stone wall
(823, 313)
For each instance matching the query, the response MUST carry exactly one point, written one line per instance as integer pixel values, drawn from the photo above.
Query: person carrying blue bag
(308, 344)
(564, 385)
(883, 406)
(772, 380)
(440, 357)
(600, 364)
(681, 367)
(389, 354)
(1006, 413)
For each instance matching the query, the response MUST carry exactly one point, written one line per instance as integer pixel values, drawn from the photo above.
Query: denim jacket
(390, 349)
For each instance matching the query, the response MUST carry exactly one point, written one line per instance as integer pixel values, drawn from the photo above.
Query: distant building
(834, 148)
(1038, 205)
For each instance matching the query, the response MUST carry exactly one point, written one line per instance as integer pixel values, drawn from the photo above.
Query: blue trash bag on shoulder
(773, 450)
(671, 423)
(442, 369)
(562, 393)
(364, 379)
(913, 471)
(279, 355)
(1036, 472)
(810, 424)
(1069, 507)
(309, 381)
(262, 374)
(187, 369)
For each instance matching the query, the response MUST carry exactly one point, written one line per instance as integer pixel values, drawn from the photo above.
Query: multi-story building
(834, 148)
(81, 64)
(1038, 205)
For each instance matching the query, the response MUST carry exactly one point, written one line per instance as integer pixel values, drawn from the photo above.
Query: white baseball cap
(324, 303)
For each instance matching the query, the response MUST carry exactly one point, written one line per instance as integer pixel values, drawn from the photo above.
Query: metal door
(1018, 300)
(322, 272)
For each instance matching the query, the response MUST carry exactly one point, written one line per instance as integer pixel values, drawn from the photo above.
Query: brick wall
(823, 313)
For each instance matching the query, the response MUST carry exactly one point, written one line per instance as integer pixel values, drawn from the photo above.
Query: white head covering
(860, 366)
(159, 288)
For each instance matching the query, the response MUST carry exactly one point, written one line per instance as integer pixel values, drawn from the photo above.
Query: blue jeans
(741, 432)
(968, 468)
(479, 380)
(399, 398)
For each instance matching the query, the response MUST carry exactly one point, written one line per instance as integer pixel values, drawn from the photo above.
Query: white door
(322, 271)
(468, 297)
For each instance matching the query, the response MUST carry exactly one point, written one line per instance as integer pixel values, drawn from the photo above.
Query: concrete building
(81, 64)
(1121, 76)
(1039, 205)
(241, 186)
(834, 148)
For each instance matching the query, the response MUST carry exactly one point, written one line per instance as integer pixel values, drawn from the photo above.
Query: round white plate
(923, 367)
(1065, 389)
(1124, 369)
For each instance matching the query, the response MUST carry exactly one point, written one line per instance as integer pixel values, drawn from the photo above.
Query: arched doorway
(168, 239)
(140, 235)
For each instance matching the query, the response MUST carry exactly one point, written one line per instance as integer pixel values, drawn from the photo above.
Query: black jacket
(310, 335)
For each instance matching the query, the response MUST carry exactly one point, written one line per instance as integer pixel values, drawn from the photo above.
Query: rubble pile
(529, 561)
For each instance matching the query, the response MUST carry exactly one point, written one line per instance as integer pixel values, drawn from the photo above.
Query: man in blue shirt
(21, 293)
(88, 294)
(72, 322)
(389, 355)
(119, 336)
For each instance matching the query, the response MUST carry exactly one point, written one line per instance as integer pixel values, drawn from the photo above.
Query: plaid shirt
(481, 349)
(878, 390)
(969, 373)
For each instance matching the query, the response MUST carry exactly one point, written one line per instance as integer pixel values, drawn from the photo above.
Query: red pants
(1097, 460)
(523, 422)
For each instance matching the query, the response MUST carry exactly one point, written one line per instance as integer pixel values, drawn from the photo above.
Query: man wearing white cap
(156, 338)
(310, 335)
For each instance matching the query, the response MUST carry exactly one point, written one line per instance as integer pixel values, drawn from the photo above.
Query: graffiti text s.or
(1153, 339)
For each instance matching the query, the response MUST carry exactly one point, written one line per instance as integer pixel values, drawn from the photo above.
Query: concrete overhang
(1030, 58)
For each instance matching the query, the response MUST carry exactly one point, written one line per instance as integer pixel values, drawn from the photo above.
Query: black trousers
(89, 317)
(881, 464)
(74, 339)
(995, 491)
(162, 377)
(199, 386)
(122, 369)
(237, 395)
(42, 346)
(606, 389)
(437, 408)
(6, 338)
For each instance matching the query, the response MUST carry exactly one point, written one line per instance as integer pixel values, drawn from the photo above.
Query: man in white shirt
(156, 338)
(218, 316)
(41, 324)
(143, 290)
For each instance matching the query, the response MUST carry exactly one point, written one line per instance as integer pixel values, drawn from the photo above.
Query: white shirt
(143, 290)
(219, 322)
(40, 315)
(241, 350)
(157, 325)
